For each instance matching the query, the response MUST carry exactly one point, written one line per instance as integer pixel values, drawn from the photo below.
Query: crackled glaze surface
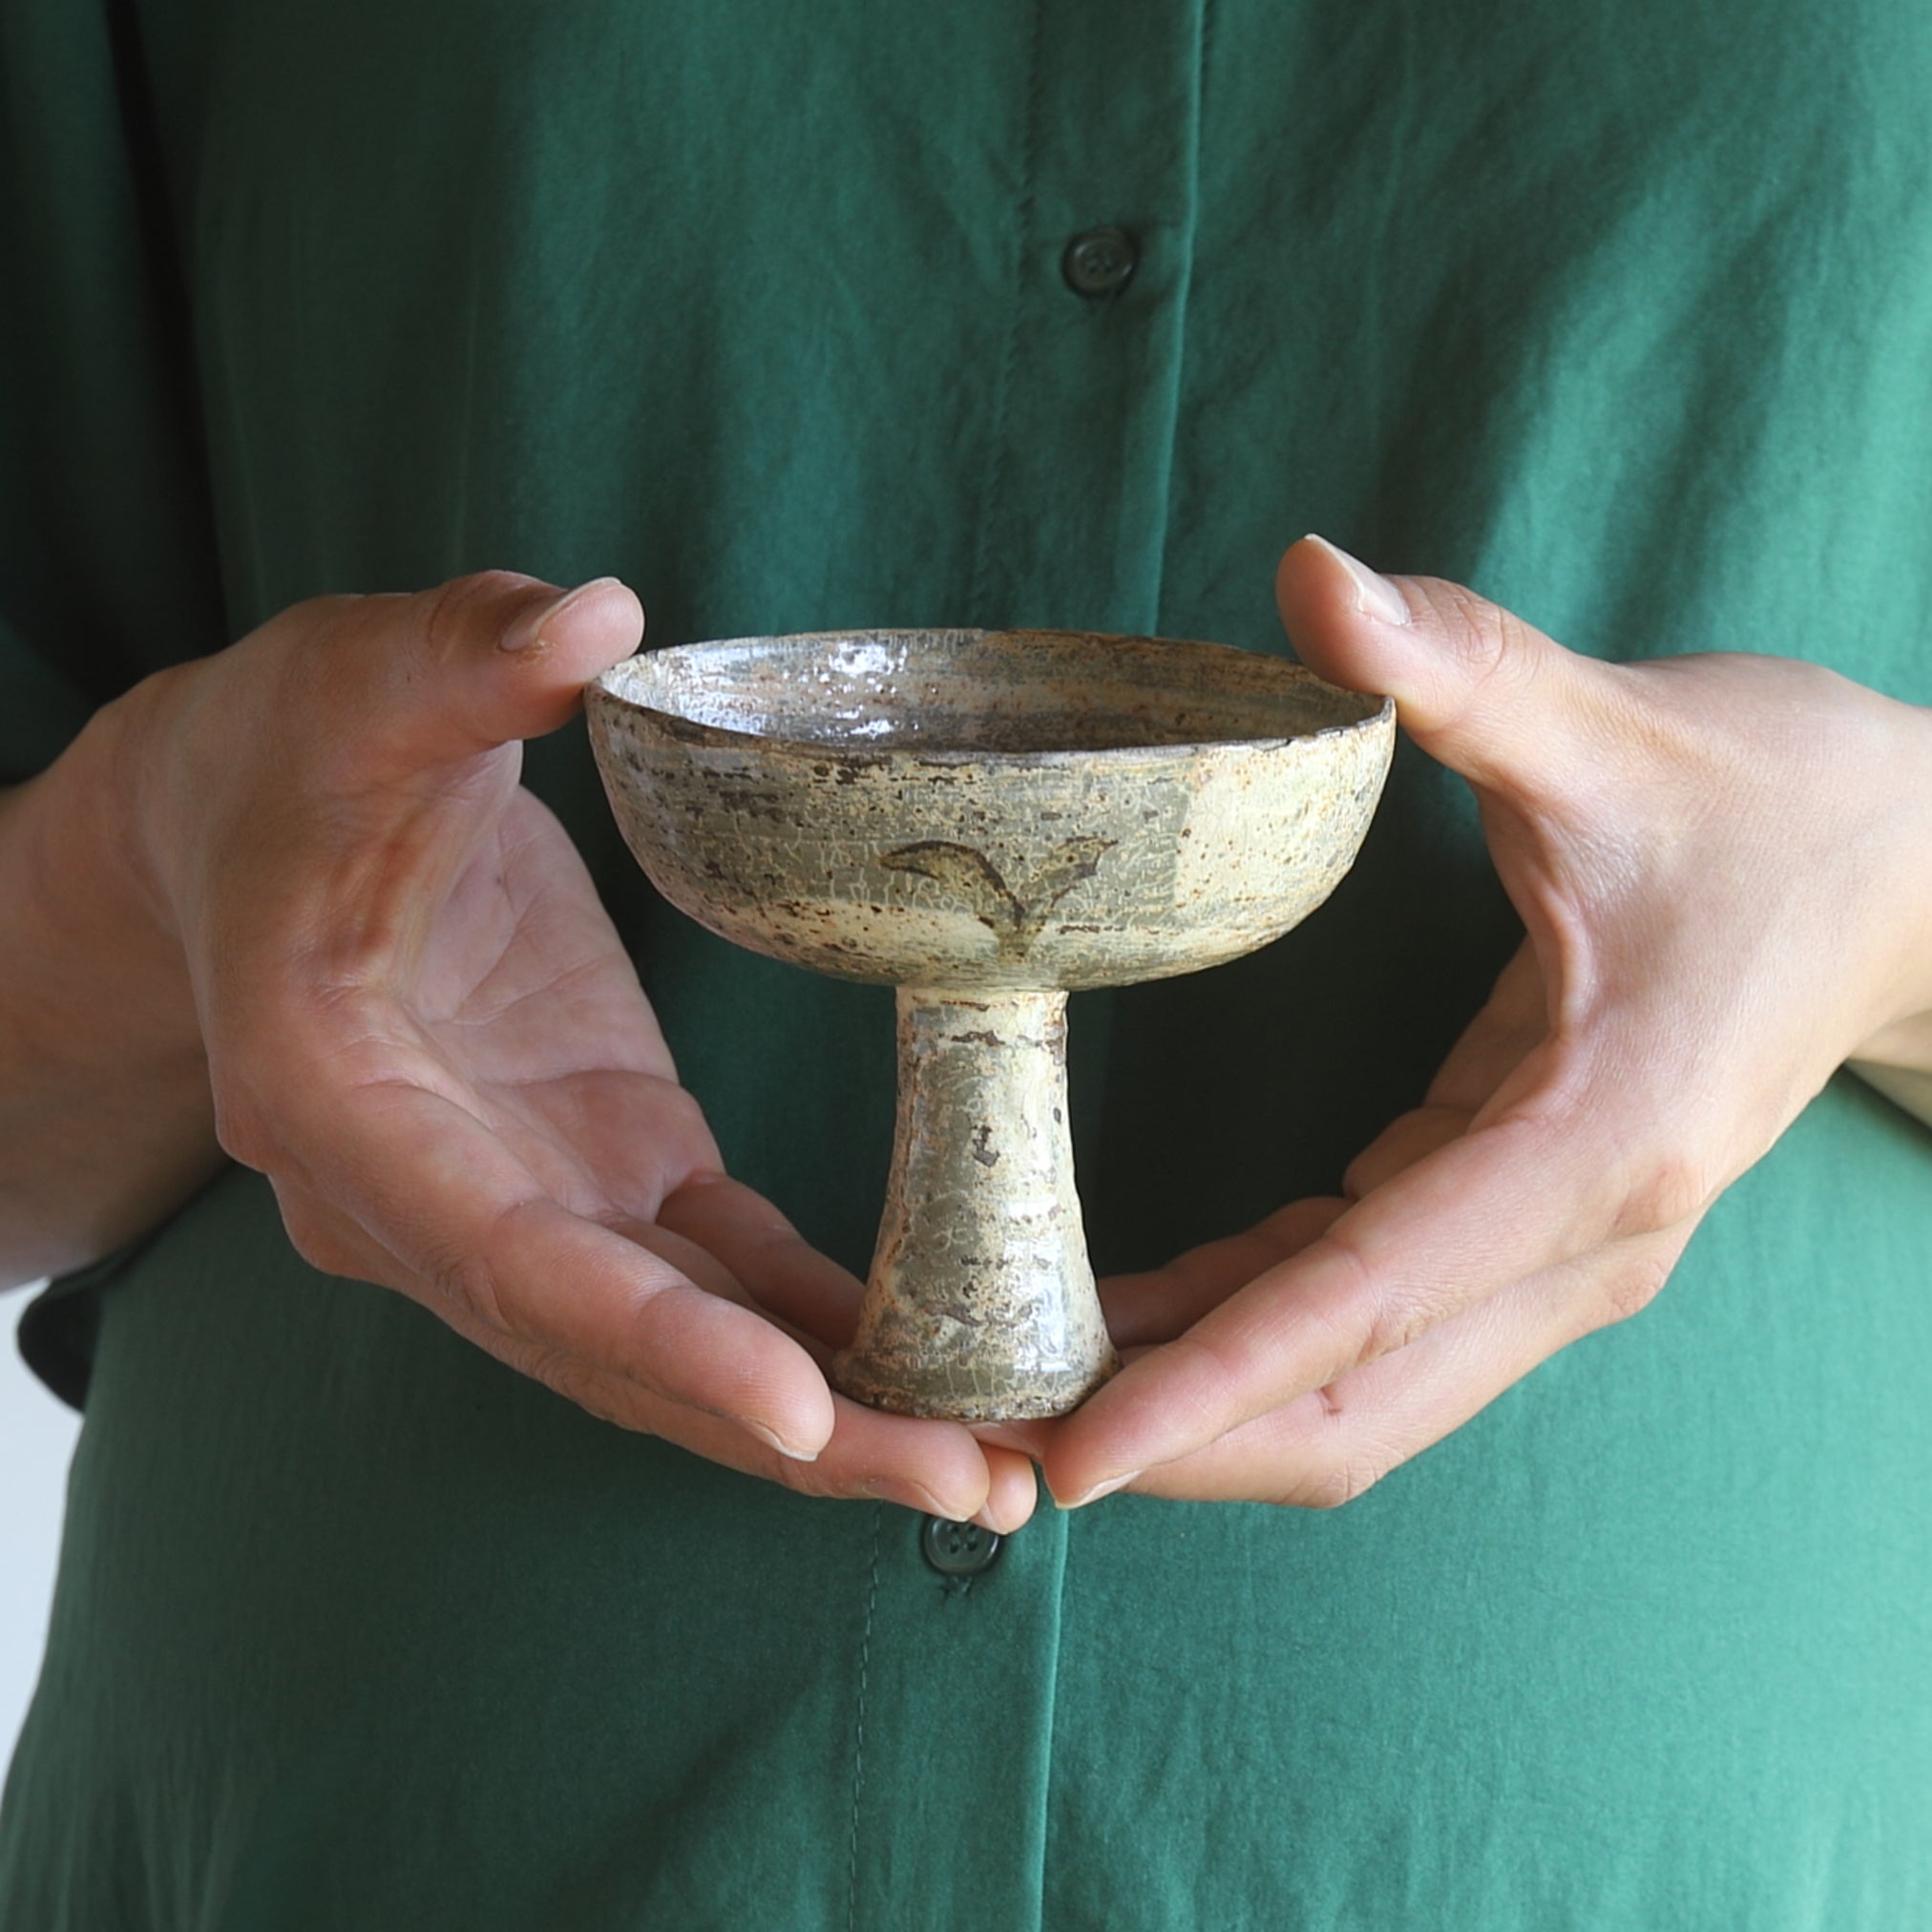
(986, 818)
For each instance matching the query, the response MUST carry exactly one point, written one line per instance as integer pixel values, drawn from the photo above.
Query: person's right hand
(421, 1026)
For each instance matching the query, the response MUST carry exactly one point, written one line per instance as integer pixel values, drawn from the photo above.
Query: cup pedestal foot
(990, 1315)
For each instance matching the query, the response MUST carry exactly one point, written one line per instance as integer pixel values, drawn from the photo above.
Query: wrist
(93, 891)
(105, 1122)
(130, 751)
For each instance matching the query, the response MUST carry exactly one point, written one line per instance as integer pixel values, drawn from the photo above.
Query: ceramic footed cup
(986, 821)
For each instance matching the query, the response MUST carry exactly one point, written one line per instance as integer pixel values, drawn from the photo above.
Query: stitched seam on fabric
(1184, 296)
(1396, 199)
(859, 1727)
(1009, 360)
(1051, 1653)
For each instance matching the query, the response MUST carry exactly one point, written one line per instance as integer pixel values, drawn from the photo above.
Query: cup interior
(1004, 693)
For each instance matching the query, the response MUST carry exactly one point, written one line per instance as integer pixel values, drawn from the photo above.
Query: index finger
(1561, 1172)
(1163, 1302)
(471, 1229)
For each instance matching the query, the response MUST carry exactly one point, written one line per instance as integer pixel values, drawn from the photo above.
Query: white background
(36, 1438)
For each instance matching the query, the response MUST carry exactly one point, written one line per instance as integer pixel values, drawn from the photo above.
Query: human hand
(421, 1026)
(1721, 863)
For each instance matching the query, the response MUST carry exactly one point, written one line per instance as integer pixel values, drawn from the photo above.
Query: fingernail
(1014, 1513)
(986, 1520)
(1375, 597)
(771, 1439)
(1099, 1490)
(528, 628)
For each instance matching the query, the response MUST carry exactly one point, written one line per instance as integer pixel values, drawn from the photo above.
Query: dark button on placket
(1099, 261)
(959, 1549)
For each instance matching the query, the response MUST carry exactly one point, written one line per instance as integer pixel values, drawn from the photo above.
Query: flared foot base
(965, 1393)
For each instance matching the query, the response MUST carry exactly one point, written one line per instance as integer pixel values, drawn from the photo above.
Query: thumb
(480, 661)
(1478, 689)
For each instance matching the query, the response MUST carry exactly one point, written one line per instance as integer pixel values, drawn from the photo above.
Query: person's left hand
(1722, 867)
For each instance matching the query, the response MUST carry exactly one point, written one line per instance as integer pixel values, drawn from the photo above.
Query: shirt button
(1099, 261)
(959, 1549)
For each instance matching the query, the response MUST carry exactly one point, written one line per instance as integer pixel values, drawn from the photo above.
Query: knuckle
(1661, 1190)
(314, 620)
(1358, 1289)
(686, 1134)
(455, 613)
(466, 1280)
(807, 1478)
(242, 1129)
(1395, 1313)
(1400, 1318)
(315, 1251)
(314, 1235)
(1633, 1286)
(1490, 640)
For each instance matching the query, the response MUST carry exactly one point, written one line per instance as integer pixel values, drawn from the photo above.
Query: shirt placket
(1075, 507)
(953, 1726)
(955, 1720)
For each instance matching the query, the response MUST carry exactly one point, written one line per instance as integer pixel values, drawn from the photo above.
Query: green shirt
(1621, 314)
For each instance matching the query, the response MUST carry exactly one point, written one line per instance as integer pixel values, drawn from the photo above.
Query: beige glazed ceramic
(986, 820)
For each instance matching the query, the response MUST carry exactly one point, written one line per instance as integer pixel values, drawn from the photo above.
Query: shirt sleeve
(107, 559)
(107, 554)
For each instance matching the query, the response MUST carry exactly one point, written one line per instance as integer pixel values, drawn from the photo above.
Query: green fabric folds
(1620, 313)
